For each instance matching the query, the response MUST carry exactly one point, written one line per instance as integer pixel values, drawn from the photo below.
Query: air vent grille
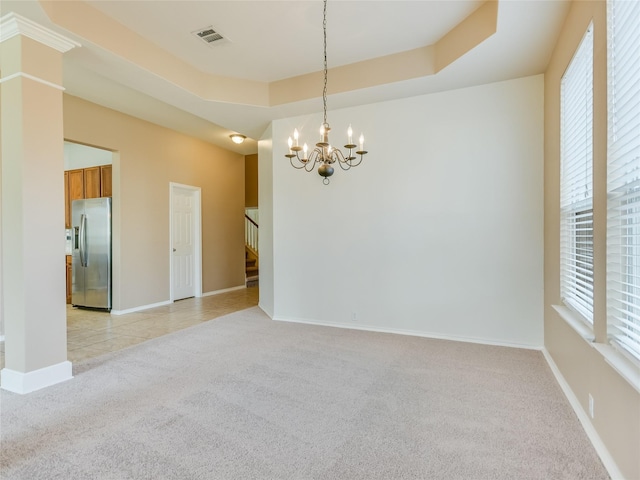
(208, 35)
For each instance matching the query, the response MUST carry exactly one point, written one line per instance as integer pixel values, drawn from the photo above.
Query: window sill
(624, 366)
(575, 322)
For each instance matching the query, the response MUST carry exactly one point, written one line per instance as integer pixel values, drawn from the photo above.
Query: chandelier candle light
(324, 153)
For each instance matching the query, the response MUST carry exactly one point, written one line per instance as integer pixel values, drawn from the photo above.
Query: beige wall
(585, 369)
(1, 289)
(251, 180)
(148, 158)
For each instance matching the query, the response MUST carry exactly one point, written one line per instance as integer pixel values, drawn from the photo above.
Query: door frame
(197, 237)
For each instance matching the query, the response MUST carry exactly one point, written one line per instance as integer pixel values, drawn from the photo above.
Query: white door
(183, 242)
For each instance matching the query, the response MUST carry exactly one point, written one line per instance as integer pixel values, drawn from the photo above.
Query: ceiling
(165, 74)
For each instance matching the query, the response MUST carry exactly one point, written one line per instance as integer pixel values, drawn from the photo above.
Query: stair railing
(251, 234)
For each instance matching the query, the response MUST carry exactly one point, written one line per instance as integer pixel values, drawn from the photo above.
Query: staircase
(251, 247)
(251, 269)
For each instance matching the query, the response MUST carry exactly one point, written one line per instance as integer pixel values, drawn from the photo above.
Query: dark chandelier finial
(323, 153)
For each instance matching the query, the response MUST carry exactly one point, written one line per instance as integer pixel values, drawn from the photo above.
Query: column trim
(19, 382)
(31, 77)
(13, 24)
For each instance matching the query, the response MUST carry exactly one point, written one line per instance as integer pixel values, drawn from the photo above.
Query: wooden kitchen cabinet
(74, 189)
(105, 180)
(92, 182)
(69, 278)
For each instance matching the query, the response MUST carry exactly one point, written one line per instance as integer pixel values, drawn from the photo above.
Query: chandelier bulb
(290, 143)
(295, 136)
(350, 135)
(361, 141)
(304, 151)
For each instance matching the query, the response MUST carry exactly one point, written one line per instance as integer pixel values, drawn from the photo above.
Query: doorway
(88, 173)
(185, 247)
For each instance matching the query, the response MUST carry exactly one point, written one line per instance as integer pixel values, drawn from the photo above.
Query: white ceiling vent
(209, 36)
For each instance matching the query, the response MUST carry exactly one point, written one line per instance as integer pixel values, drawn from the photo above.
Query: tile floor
(92, 333)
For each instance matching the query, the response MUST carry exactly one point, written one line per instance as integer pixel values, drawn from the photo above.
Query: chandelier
(324, 154)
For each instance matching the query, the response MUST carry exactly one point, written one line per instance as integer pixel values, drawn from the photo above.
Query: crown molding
(13, 24)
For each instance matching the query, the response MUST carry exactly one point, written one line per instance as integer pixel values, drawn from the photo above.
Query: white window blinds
(576, 180)
(623, 176)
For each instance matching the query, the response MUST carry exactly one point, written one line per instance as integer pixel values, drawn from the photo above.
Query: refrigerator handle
(83, 240)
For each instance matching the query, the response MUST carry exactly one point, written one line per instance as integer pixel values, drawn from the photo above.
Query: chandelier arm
(352, 164)
(346, 165)
(342, 161)
(315, 157)
(302, 164)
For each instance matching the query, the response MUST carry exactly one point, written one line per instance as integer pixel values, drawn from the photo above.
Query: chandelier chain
(324, 91)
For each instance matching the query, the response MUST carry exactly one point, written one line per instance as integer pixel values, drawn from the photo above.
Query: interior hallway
(93, 333)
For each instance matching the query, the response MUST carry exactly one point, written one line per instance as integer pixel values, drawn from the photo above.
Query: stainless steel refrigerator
(91, 253)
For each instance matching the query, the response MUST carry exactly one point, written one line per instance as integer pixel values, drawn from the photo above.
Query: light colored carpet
(243, 397)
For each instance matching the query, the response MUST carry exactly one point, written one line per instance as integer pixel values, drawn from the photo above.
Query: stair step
(251, 269)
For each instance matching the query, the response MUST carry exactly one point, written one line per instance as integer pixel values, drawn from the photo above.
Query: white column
(32, 205)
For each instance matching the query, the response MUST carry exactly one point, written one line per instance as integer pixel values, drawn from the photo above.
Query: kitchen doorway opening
(90, 172)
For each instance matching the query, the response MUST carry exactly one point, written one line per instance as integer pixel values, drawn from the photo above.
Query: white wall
(439, 232)
(265, 238)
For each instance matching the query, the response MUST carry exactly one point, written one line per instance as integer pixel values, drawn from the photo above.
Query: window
(623, 176)
(576, 181)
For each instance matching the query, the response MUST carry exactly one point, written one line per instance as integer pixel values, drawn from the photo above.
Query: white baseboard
(169, 302)
(266, 310)
(224, 290)
(141, 307)
(412, 333)
(607, 460)
(22, 383)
